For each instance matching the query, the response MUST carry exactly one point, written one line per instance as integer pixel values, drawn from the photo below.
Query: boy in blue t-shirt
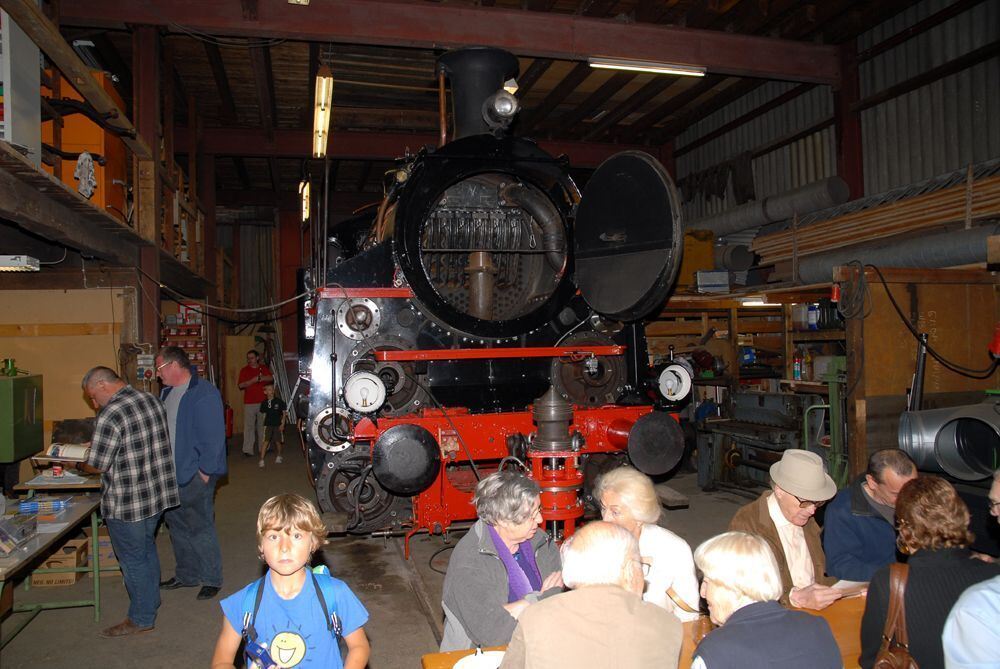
(290, 621)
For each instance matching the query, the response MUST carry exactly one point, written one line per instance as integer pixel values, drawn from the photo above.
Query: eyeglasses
(806, 503)
(991, 504)
(644, 567)
(161, 366)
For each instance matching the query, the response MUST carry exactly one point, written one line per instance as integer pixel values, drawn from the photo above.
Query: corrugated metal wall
(257, 280)
(944, 125)
(799, 163)
(935, 129)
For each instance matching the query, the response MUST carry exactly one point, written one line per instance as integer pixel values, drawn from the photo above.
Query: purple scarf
(522, 576)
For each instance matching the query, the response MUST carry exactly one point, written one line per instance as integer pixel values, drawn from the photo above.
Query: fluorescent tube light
(757, 301)
(19, 264)
(321, 112)
(304, 190)
(646, 66)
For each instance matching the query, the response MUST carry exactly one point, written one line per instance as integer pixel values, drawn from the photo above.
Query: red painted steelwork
(495, 353)
(449, 499)
(618, 433)
(444, 25)
(374, 293)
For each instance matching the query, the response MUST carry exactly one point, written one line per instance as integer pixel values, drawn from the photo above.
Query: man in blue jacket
(198, 438)
(859, 534)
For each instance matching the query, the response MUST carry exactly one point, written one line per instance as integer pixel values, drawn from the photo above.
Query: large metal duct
(961, 441)
(946, 249)
(803, 200)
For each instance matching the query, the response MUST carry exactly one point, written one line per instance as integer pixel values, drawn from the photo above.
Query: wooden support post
(146, 93)
(206, 191)
(149, 261)
(847, 122)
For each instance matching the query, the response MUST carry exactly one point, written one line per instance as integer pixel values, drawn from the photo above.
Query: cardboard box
(105, 550)
(73, 553)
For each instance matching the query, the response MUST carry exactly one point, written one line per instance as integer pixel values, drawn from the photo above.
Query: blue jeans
(135, 546)
(192, 534)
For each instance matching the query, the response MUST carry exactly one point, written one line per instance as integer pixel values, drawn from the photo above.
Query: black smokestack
(475, 74)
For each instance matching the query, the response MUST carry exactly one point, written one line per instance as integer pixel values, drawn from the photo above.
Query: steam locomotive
(490, 315)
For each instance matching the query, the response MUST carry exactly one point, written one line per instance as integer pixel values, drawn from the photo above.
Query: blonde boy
(296, 614)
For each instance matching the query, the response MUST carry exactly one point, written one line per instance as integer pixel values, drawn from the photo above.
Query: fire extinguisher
(228, 411)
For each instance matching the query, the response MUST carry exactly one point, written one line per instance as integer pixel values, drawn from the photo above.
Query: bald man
(602, 621)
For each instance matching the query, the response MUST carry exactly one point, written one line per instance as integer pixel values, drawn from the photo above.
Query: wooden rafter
(596, 8)
(272, 166)
(557, 95)
(263, 75)
(633, 131)
(227, 107)
(526, 81)
(569, 121)
(656, 86)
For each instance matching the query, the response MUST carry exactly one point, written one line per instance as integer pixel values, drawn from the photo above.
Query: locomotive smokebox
(476, 74)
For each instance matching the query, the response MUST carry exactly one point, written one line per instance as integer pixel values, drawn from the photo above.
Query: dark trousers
(135, 547)
(192, 534)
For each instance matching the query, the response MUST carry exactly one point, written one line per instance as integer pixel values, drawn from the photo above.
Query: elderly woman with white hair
(628, 500)
(504, 563)
(742, 584)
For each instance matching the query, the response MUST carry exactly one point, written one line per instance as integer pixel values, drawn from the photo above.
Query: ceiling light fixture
(19, 264)
(304, 191)
(646, 66)
(298, 2)
(321, 112)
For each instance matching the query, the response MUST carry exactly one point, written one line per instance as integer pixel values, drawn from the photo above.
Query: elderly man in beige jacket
(602, 621)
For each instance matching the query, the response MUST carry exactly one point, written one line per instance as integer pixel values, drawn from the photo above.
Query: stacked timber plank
(977, 201)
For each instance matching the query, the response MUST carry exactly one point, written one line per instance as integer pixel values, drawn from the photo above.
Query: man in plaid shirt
(131, 451)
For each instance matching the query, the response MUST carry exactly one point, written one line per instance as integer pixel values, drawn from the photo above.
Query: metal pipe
(734, 257)
(442, 111)
(481, 279)
(803, 200)
(961, 441)
(540, 208)
(947, 249)
(916, 398)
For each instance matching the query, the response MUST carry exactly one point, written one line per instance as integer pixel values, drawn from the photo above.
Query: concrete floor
(401, 597)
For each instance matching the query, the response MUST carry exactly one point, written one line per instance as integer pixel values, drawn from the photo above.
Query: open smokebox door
(628, 238)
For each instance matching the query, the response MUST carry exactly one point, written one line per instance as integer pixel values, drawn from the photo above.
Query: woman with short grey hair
(503, 564)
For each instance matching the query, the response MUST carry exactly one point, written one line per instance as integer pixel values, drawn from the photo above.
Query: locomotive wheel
(346, 485)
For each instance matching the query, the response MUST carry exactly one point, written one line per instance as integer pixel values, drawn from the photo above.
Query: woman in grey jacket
(503, 564)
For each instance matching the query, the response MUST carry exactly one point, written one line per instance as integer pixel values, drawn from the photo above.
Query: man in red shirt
(252, 380)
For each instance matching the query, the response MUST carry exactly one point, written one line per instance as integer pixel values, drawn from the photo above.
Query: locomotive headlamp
(499, 110)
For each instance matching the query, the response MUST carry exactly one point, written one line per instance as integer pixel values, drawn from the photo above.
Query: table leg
(96, 573)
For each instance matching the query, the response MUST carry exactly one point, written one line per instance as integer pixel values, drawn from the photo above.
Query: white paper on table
(851, 588)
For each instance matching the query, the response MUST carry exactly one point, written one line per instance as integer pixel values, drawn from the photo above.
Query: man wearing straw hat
(783, 517)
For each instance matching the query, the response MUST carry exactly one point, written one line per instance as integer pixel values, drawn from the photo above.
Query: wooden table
(843, 616)
(20, 562)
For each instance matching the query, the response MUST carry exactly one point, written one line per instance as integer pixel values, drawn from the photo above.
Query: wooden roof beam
(32, 20)
(569, 83)
(253, 142)
(634, 130)
(227, 109)
(526, 81)
(263, 75)
(655, 86)
(575, 116)
(536, 34)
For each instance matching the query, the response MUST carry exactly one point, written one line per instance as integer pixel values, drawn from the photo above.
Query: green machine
(21, 423)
